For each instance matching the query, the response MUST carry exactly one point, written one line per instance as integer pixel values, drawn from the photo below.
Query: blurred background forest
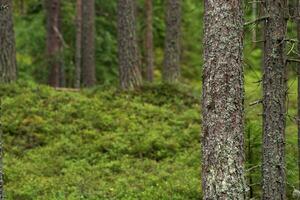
(105, 144)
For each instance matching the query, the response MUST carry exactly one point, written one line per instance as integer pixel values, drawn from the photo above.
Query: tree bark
(223, 102)
(8, 63)
(149, 41)
(297, 15)
(54, 44)
(88, 44)
(274, 94)
(128, 52)
(78, 57)
(171, 68)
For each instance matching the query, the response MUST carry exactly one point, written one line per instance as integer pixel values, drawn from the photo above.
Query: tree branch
(256, 20)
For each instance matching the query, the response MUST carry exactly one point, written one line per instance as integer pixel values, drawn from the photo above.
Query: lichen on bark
(223, 101)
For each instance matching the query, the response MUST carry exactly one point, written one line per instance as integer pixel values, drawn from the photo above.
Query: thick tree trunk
(8, 63)
(171, 68)
(149, 41)
(88, 43)
(78, 43)
(129, 59)
(274, 93)
(54, 44)
(223, 102)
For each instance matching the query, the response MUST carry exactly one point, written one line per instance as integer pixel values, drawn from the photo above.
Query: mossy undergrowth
(100, 143)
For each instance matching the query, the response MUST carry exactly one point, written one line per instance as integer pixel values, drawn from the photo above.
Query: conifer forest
(149, 99)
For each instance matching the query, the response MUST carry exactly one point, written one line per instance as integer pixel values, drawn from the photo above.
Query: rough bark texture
(78, 43)
(88, 43)
(274, 92)
(171, 68)
(8, 64)
(129, 60)
(223, 102)
(149, 41)
(54, 44)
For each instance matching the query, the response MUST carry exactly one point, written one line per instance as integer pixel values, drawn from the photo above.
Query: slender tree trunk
(78, 43)
(129, 59)
(8, 63)
(274, 93)
(53, 41)
(22, 7)
(88, 43)
(171, 68)
(297, 15)
(223, 101)
(149, 41)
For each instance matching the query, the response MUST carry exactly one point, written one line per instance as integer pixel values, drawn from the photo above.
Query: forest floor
(100, 143)
(105, 144)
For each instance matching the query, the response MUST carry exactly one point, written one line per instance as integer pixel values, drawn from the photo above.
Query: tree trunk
(54, 44)
(8, 63)
(223, 102)
(78, 43)
(88, 44)
(297, 15)
(149, 41)
(171, 68)
(129, 60)
(274, 93)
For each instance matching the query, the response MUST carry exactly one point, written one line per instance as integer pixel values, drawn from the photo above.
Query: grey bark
(8, 63)
(274, 93)
(223, 102)
(78, 43)
(171, 66)
(128, 51)
(149, 41)
(54, 45)
(88, 43)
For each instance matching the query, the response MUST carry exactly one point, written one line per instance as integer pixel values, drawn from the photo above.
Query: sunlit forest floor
(105, 144)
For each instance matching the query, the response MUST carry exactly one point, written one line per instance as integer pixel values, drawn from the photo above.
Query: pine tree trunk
(297, 15)
(223, 102)
(171, 68)
(88, 43)
(149, 41)
(8, 63)
(54, 44)
(274, 92)
(78, 43)
(129, 59)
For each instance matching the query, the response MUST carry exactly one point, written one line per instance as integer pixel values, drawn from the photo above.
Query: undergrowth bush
(100, 143)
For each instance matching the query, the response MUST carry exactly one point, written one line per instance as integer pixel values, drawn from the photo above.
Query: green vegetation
(105, 144)
(101, 144)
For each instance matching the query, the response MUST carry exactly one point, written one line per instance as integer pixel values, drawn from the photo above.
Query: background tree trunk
(78, 43)
(297, 15)
(171, 68)
(149, 41)
(88, 43)
(54, 44)
(129, 59)
(223, 113)
(8, 63)
(274, 93)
